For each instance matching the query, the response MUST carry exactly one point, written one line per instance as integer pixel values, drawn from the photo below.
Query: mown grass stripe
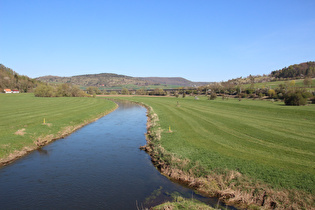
(264, 140)
(24, 111)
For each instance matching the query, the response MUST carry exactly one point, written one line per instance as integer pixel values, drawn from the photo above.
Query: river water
(99, 166)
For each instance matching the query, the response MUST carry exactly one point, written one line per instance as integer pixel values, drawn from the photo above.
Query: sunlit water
(99, 166)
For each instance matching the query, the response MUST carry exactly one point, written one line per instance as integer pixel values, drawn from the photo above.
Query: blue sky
(200, 40)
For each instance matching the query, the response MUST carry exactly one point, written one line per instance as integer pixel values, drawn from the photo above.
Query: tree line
(61, 90)
(296, 71)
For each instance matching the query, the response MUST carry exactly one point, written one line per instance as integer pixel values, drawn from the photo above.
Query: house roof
(7, 90)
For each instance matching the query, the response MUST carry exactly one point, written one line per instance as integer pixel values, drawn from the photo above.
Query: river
(100, 166)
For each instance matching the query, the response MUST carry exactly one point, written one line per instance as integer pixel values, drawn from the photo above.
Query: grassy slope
(266, 141)
(275, 84)
(18, 111)
(181, 203)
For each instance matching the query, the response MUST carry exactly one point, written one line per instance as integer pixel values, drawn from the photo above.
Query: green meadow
(265, 141)
(275, 84)
(22, 118)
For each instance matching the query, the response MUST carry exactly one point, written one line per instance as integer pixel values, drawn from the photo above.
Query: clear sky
(200, 40)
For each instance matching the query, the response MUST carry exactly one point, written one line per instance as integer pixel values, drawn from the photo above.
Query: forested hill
(115, 80)
(9, 79)
(296, 71)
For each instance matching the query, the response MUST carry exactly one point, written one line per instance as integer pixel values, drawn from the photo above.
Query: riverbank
(29, 123)
(188, 148)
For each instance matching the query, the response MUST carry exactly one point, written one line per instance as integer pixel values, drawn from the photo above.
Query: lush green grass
(263, 140)
(24, 111)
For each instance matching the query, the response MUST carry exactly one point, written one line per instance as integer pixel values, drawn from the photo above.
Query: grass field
(275, 84)
(22, 118)
(268, 142)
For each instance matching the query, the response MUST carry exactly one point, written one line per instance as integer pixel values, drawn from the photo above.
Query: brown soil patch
(48, 124)
(20, 132)
(4, 146)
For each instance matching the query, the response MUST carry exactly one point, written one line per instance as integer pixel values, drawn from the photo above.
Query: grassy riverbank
(246, 152)
(182, 203)
(22, 125)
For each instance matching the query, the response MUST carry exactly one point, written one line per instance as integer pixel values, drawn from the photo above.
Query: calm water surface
(97, 167)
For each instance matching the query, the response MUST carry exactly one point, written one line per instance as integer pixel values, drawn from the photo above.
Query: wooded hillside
(173, 81)
(296, 71)
(9, 79)
(113, 80)
(98, 80)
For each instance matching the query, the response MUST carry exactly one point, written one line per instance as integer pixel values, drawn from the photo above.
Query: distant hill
(293, 72)
(173, 81)
(10, 79)
(98, 80)
(108, 80)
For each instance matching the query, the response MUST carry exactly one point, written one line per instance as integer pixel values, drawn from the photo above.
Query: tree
(125, 91)
(308, 81)
(63, 90)
(212, 96)
(44, 91)
(158, 92)
(271, 93)
(113, 92)
(141, 91)
(295, 98)
(292, 83)
(92, 90)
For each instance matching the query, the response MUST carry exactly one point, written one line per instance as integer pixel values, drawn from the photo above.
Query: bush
(294, 98)
(125, 91)
(272, 93)
(63, 90)
(212, 96)
(307, 95)
(158, 92)
(44, 91)
(280, 96)
(141, 91)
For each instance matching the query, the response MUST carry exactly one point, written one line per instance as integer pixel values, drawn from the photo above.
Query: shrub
(125, 91)
(294, 98)
(212, 96)
(63, 90)
(280, 96)
(44, 91)
(271, 93)
(158, 92)
(307, 95)
(141, 91)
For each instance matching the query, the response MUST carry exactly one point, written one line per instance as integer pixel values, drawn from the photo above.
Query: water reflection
(42, 151)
